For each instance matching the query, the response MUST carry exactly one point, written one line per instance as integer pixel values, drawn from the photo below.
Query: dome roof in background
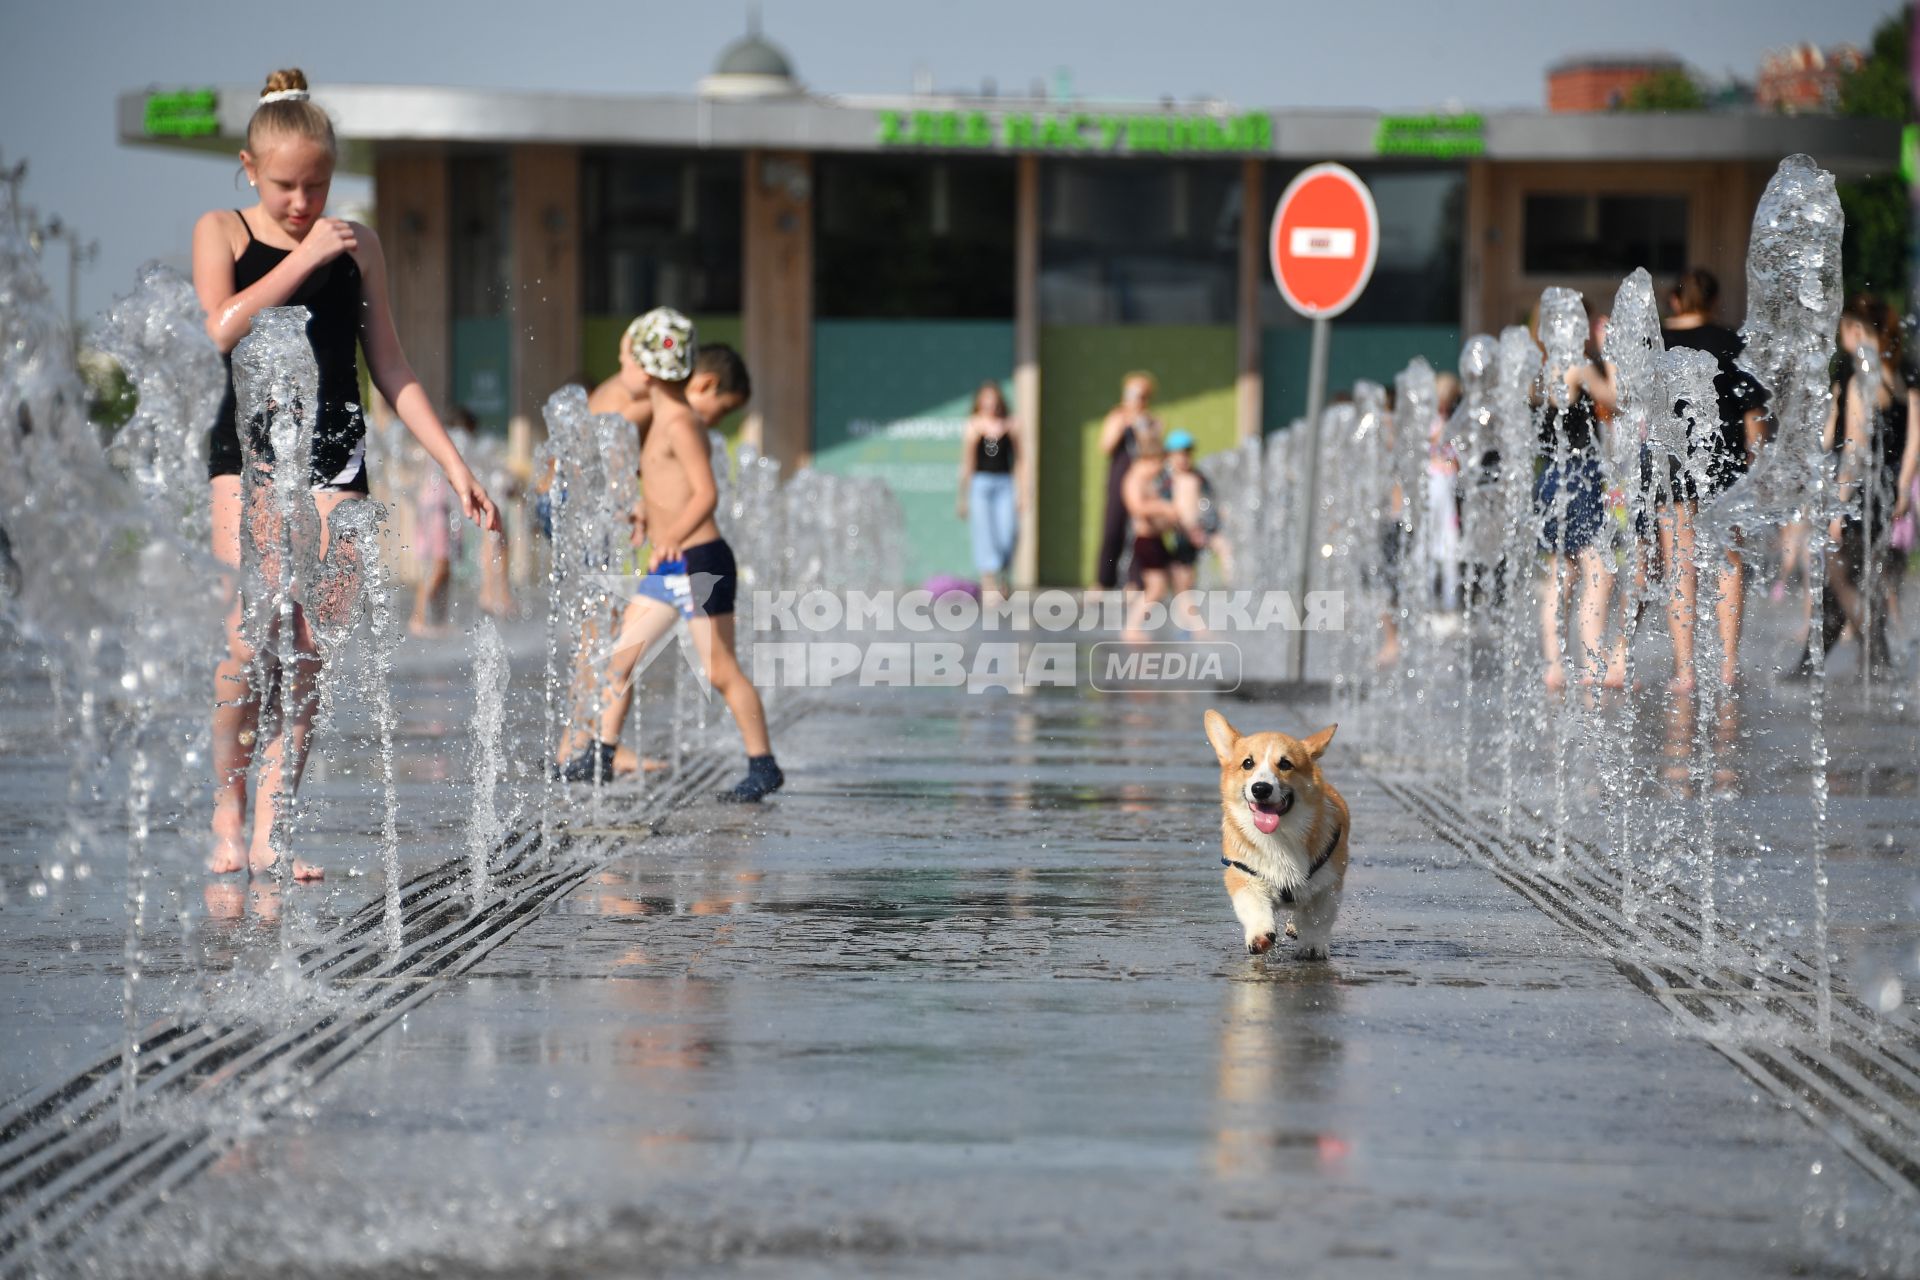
(753, 55)
(751, 67)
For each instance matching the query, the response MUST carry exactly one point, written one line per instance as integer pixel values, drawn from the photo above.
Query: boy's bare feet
(229, 841)
(626, 761)
(426, 630)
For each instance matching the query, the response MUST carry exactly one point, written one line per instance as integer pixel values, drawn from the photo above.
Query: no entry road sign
(1324, 239)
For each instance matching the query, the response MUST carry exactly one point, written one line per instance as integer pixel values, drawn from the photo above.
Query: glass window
(661, 230)
(1416, 275)
(1138, 242)
(479, 234)
(1579, 233)
(929, 237)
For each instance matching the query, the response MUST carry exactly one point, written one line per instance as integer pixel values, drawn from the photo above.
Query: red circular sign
(1325, 236)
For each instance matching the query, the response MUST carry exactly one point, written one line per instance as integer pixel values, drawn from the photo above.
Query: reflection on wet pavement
(968, 1000)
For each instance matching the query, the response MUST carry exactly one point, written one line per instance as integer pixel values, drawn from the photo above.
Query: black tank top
(332, 297)
(1889, 432)
(993, 457)
(1576, 429)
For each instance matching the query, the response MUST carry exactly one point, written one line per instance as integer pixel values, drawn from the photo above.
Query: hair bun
(285, 80)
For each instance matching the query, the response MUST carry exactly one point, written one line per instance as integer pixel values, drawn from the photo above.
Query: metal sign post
(1303, 531)
(1324, 239)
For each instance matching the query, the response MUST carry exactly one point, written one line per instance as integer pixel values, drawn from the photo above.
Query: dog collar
(1286, 895)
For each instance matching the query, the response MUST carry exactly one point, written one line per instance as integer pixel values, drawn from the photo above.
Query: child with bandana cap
(690, 569)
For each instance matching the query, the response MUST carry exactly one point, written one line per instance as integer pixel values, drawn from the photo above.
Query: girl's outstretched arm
(394, 377)
(230, 312)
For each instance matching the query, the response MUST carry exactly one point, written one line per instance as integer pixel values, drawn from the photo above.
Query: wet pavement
(968, 999)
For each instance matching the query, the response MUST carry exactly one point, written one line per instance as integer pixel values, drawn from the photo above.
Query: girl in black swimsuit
(1876, 452)
(283, 251)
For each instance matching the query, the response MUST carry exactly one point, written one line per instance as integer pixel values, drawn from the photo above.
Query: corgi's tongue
(1266, 817)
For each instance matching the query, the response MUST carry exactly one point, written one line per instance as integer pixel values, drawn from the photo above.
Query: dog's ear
(1222, 735)
(1317, 745)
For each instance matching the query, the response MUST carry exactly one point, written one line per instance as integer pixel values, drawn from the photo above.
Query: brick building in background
(1602, 83)
(1804, 77)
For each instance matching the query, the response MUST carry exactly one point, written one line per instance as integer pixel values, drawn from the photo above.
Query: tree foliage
(1670, 90)
(1875, 254)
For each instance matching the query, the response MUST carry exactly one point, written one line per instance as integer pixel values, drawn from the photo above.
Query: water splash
(1514, 428)
(1793, 306)
(485, 829)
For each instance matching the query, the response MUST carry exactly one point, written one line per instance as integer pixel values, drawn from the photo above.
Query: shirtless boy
(690, 570)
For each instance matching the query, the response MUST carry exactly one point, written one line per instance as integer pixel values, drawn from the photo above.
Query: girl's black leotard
(332, 296)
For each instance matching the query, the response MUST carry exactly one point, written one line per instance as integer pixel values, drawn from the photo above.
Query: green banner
(482, 371)
(190, 113)
(890, 400)
(1147, 133)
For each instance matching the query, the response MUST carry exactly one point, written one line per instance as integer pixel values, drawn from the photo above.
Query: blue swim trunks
(669, 585)
(702, 581)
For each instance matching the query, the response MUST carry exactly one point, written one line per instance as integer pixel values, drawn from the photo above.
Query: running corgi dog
(1284, 835)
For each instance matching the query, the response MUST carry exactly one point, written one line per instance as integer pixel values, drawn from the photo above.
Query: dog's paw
(1259, 944)
(1311, 951)
(1291, 931)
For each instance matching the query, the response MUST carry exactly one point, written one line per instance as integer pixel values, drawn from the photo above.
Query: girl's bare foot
(1681, 684)
(263, 860)
(226, 900)
(229, 846)
(1616, 673)
(425, 630)
(1556, 677)
(1389, 656)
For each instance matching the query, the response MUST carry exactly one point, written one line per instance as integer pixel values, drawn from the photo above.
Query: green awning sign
(1085, 131)
(1441, 137)
(190, 113)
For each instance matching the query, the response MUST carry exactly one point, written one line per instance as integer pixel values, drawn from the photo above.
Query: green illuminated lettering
(1146, 133)
(1057, 133)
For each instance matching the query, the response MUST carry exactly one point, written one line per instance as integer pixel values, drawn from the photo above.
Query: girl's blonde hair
(289, 117)
(1141, 375)
(983, 390)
